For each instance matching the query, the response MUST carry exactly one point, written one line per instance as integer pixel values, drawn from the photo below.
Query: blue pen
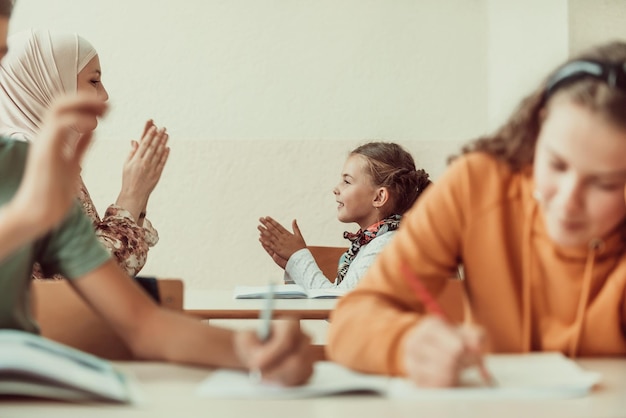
(265, 328)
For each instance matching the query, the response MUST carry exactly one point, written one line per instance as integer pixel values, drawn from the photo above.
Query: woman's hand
(278, 242)
(436, 352)
(285, 358)
(143, 168)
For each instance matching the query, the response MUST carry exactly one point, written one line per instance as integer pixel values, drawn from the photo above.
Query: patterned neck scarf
(361, 238)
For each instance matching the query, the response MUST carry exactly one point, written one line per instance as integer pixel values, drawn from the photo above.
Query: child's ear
(382, 196)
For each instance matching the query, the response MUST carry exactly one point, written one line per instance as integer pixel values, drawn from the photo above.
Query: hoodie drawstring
(583, 301)
(527, 256)
(527, 263)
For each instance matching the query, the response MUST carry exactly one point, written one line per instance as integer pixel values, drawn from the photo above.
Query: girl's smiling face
(356, 194)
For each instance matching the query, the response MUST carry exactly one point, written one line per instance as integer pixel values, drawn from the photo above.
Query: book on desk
(34, 366)
(286, 291)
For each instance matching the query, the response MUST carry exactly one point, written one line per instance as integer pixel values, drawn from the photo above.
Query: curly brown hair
(515, 141)
(391, 166)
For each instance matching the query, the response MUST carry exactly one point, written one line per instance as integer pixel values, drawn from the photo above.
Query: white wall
(527, 39)
(595, 21)
(264, 99)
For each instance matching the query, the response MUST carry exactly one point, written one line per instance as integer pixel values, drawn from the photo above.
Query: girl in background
(379, 182)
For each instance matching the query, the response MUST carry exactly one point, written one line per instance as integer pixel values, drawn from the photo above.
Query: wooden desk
(221, 304)
(168, 391)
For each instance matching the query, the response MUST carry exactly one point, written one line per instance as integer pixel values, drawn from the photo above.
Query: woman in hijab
(42, 66)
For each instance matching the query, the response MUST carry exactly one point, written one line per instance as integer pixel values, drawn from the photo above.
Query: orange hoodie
(528, 293)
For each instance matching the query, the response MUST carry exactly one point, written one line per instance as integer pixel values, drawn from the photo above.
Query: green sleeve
(72, 249)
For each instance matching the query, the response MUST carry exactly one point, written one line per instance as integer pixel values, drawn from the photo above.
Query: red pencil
(433, 308)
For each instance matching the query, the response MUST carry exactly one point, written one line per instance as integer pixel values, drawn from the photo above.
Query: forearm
(132, 203)
(303, 270)
(171, 336)
(16, 229)
(150, 331)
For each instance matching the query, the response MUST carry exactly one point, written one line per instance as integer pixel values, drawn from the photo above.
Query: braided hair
(391, 166)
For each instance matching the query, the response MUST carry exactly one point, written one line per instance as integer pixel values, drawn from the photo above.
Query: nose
(336, 191)
(104, 94)
(572, 193)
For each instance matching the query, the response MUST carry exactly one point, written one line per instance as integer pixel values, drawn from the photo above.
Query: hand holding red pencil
(436, 351)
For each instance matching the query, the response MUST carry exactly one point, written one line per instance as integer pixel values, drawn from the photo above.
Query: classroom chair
(327, 259)
(451, 299)
(64, 317)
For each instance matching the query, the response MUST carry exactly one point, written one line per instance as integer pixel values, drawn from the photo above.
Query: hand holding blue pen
(277, 351)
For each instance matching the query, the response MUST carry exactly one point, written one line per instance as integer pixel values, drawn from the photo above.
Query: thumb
(296, 229)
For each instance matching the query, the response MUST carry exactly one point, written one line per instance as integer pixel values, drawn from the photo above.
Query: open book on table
(34, 366)
(287, 291)
(523, 376)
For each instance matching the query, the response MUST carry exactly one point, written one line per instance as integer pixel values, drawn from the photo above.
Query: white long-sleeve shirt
(303, 270)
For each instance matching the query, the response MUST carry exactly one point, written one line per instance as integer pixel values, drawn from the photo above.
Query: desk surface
(221, 304)
(168, 391)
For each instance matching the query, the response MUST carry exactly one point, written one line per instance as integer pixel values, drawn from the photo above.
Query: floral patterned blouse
(119, 233)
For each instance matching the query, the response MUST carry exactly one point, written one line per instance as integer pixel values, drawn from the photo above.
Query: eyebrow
(621, 173)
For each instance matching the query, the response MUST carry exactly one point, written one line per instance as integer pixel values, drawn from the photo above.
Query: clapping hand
(143, 168)
(278, 242)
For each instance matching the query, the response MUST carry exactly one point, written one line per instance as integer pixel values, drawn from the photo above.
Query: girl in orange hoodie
(536, 215)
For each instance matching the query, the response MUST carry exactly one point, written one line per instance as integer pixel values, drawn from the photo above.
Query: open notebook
(523, 376)
(34, 366)
(286, 291)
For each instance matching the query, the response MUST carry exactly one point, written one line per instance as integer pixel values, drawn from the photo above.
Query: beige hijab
(40, 66)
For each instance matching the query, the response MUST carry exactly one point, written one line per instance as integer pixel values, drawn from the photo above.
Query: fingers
(163, 160)
(273, 226)
(134, 146)
(58, 134)
(475, 340)
(152, 149)
(79, 104)
(67, 113)
(151, 142)
(267, 248)
(268, 232)
(285, 358)
(149, 123)
(436, 353)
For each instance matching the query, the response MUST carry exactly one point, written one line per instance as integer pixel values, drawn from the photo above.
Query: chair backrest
(327, 259)
(451, 299)
(64, 317)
